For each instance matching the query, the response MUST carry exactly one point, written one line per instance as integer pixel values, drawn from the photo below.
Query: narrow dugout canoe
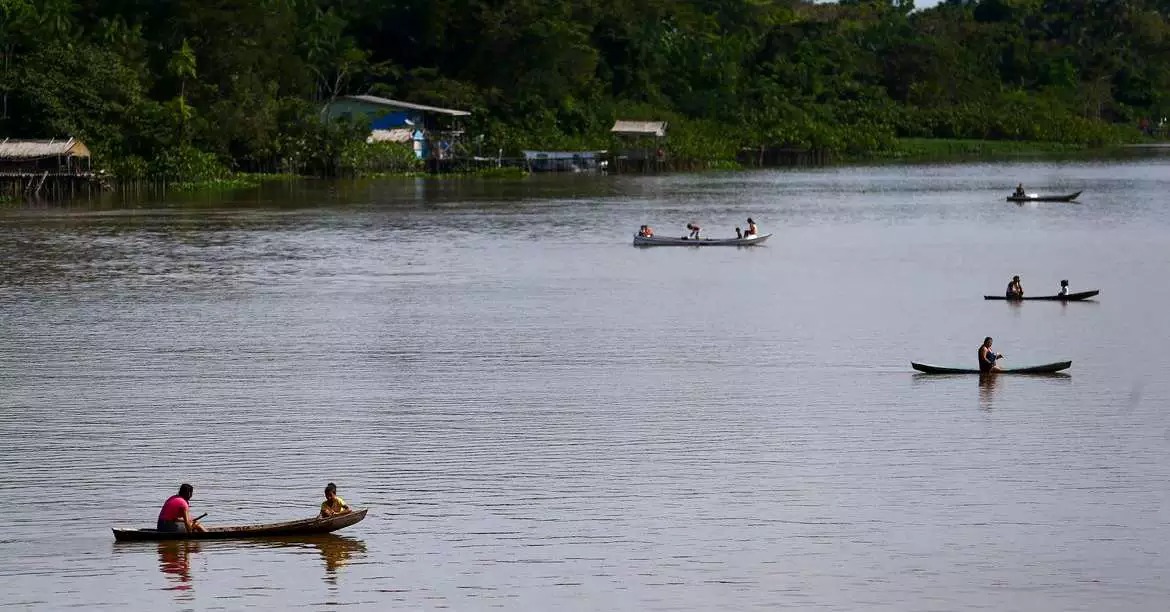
(665, 241)
(1047, 368)
(1043, 198)
(1072, 297)
(311, 526)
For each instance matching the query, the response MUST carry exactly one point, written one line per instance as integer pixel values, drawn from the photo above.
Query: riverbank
(959, 149)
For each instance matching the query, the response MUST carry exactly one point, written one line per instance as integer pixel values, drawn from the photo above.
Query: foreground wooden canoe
(1043, 198)
(1072, 297)
(665, 241)
(1047, 368)
(290, 528)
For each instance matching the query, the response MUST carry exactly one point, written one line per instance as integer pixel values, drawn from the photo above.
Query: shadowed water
(540, 415)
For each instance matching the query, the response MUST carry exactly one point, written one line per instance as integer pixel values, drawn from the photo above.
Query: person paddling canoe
(175, 515)
(1015, 290)
(694, 229)
(333, 505)
(1063, 288)
(988, 357)
(752, 230)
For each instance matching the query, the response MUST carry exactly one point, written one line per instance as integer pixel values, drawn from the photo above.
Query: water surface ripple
(539, 415)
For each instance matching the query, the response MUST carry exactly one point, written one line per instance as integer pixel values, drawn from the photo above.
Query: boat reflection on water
(174, 556)
(987, 383)
(174, 559)
(335, 550)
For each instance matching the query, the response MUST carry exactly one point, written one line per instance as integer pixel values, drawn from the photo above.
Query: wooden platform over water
(51, 185)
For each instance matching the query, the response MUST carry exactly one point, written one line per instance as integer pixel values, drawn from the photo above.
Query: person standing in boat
(694, 229)
(333, 505)
(752, 230)
(1015, 290)
(988, 357)
(1063, 288)
(1020, 191)
(175, 515)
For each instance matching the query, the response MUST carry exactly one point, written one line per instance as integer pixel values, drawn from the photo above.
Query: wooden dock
(49, 185)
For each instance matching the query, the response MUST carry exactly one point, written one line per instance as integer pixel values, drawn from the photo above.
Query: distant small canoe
(1032, 197)
(1072, 297)
(311, 526)
(665, 241)
(1047, 368)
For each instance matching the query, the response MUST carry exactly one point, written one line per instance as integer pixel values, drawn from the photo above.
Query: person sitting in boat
(738, 233)
(751, 230)
(694, 228)
(646, 231)
(1020, 191)
(988, 357)
(1063, 288)
(1015, 290)
(175, 516)
(333, 505)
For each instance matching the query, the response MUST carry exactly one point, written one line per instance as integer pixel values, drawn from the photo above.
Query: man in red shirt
(175, 515)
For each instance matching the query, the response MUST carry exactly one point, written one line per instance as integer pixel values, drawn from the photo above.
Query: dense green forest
(170, 87)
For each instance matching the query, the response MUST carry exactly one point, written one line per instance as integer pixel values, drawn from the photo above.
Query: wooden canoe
(314, 525)
(671, 241)
(1048, 368)
(1072, 297)
(1031, 197)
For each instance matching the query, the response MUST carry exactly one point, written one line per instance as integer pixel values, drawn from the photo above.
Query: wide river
(541, 416)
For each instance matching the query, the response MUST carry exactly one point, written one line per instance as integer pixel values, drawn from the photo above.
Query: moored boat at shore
(1048, 368)
(670, 241)
(315, 525)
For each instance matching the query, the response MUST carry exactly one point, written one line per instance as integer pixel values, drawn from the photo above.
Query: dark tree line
(170, 86)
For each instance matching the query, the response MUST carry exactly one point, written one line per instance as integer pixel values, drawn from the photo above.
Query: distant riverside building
(53, 169)
(564, 161)
(431, 131)
(55, 156)
(642, 145)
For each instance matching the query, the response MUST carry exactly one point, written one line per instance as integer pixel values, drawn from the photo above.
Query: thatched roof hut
(67, 154)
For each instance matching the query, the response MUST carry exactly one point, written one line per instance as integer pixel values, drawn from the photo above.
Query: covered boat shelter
(642, 146)
(432, 131)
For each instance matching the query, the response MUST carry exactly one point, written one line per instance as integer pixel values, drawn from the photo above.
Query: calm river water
(541, 416)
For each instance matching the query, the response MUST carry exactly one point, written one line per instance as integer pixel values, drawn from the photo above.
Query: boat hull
(702, 242)
(1044, 198)
(1072, 297)
(1048, 368)
(311, 526)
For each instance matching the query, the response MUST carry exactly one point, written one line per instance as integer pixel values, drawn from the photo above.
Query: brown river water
(541, 416)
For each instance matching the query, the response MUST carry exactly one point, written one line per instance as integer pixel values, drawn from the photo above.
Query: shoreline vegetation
(222, 96)
(907, 150)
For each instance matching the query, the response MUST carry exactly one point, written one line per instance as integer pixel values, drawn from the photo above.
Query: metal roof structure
(639, 128)
(387, 102)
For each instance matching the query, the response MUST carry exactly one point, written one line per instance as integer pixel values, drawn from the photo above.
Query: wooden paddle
(195, 522)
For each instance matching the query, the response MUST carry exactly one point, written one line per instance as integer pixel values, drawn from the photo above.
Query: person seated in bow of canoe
(333, 505)
(646, 231)
(175, 515)
(988, 357)
(694, 228)
(751, 229)
(738, 233)
(1015, 290)
(1063, 288)
(1019, 191)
